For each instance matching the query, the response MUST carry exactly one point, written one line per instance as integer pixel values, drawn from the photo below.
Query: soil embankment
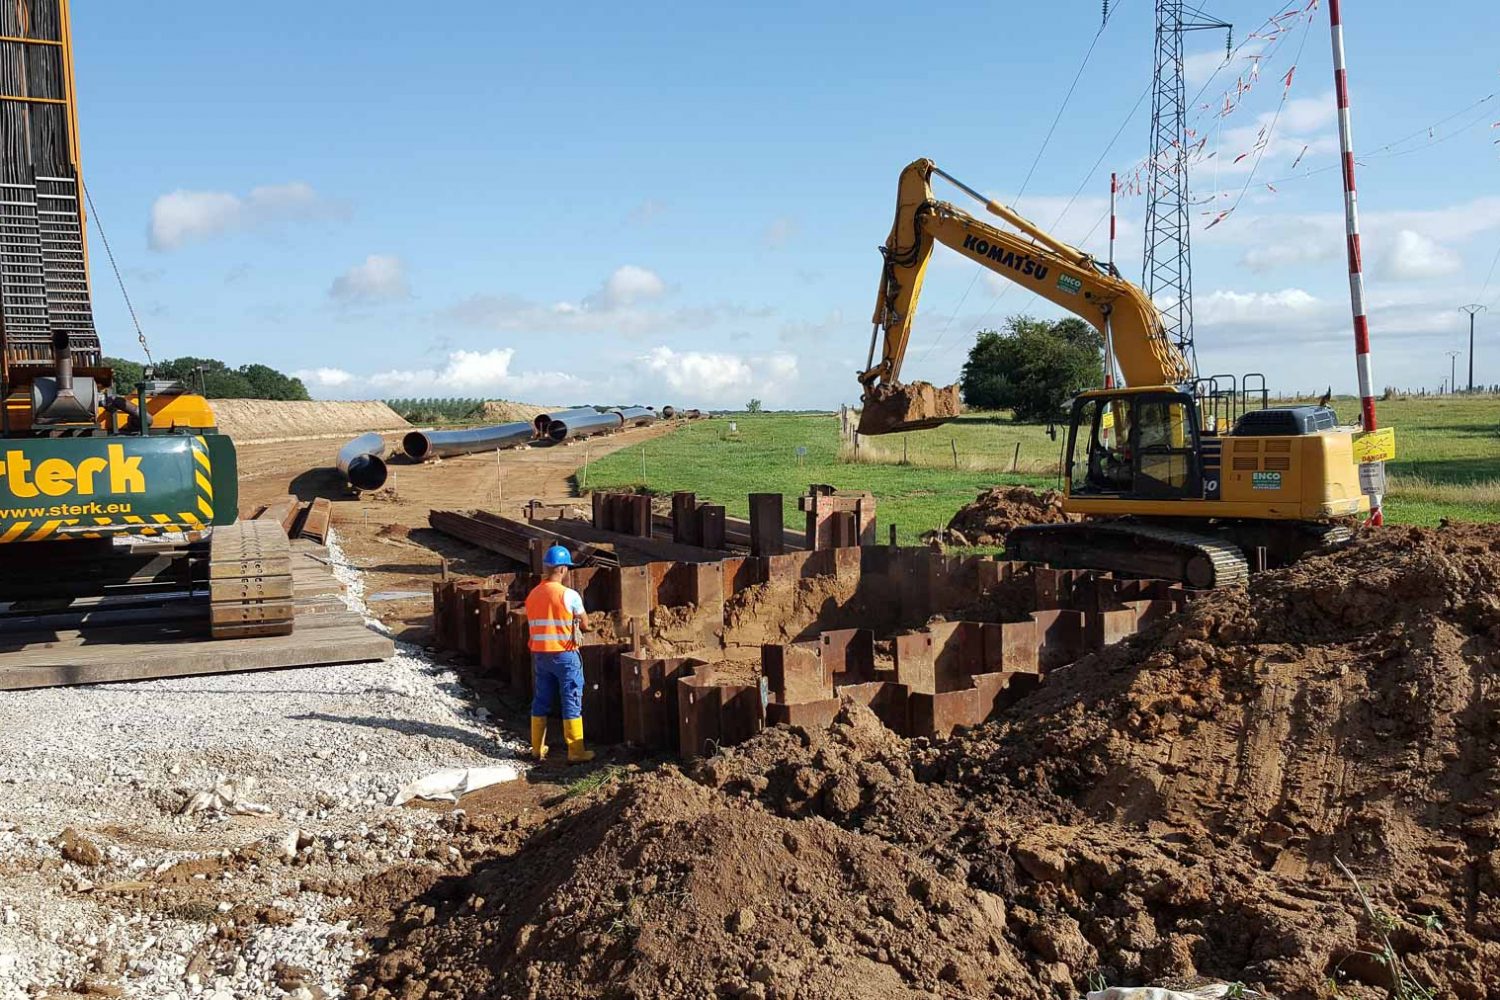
(248, 420)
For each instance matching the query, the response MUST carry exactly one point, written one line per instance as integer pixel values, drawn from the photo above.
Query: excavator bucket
(894, 407)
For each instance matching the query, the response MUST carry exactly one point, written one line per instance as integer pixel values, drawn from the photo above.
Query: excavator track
(1197, 560)
(250, 580)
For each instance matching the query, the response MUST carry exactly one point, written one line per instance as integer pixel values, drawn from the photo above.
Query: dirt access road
(386, 534)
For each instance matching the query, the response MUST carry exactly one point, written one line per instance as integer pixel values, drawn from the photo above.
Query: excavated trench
(1172, 806)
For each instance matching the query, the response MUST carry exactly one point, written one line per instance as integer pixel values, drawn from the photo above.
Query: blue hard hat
(557, 556)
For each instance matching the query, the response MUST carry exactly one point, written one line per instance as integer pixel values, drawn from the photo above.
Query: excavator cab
(1138, 443)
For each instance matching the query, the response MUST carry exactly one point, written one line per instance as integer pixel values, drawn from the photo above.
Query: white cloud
(626, 286)
(715, 379)
(662, 374)
(380, 278)
(328, 378)
(1279, 240)
(467, 373)
(181, 217)
(624, 305)
(1414, 257)
(1260, 308)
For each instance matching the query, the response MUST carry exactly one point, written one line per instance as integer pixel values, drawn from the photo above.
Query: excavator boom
(1032, 258)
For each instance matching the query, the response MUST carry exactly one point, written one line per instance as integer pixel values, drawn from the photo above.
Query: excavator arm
(1032, 258)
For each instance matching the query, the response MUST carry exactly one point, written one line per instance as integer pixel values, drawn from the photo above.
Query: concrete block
(795, 673)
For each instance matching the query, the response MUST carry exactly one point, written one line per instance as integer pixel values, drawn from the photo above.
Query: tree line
(213, 378)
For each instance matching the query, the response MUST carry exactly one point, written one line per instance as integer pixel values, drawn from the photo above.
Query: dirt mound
(247, 420)
(670, 889)
(503, 411)
(1173, 808)
(995, 512)
(1348, 707)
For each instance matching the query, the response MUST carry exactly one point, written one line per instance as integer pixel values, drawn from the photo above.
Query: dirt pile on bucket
(894, 406)
(995, 512)
(1169, 809)
(504, 411)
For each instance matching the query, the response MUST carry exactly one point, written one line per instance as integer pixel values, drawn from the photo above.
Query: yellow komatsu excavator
(1183, 478)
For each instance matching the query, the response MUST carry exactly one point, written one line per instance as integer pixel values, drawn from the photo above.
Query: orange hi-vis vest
(548, 617)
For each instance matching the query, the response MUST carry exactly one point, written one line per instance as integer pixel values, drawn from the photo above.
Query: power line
(1046, 140)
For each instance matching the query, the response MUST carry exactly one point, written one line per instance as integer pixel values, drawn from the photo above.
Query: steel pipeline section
(637, 416)
(423, 445)
(543, 421)
(362, 462)
(583, 423)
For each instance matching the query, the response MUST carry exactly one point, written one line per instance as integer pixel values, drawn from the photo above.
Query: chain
(119, 279)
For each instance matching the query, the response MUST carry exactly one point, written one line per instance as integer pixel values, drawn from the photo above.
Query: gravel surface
(165, 906)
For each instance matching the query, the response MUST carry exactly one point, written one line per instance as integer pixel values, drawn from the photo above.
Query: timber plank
(148, 661)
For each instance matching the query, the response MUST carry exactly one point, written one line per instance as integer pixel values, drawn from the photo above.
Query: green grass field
(1448, 462)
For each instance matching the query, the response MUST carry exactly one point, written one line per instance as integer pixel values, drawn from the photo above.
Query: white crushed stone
(326, 749)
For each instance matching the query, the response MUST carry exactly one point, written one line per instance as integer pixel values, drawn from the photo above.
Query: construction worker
(554, 617)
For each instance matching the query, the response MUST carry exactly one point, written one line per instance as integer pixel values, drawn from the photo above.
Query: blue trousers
(557, 675)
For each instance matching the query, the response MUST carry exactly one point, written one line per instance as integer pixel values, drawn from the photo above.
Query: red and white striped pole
(1109, 340)
(1351, 216)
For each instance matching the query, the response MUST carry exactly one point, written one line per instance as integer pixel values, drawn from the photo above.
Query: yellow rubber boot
(539, 736)
(573, 736)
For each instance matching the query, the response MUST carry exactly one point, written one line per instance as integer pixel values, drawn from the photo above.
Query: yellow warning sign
(1375, 446)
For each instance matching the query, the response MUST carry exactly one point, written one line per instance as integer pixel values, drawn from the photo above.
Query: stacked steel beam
(43, 257)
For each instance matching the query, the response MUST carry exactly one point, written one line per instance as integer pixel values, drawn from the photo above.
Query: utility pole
(1471, 310)
(1168, 266)
(1452, 369)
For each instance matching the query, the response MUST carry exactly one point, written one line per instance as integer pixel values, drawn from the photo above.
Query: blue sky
(681, 203)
